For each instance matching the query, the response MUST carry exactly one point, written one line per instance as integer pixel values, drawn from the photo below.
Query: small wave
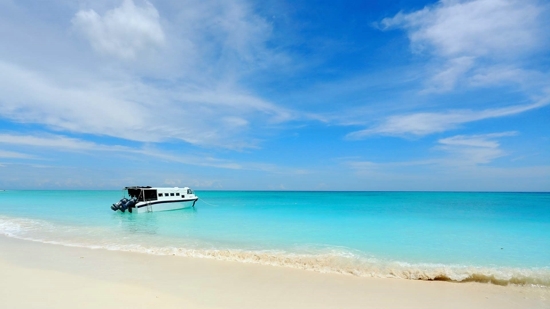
(17, 227)
(371, 267)
(329, 261)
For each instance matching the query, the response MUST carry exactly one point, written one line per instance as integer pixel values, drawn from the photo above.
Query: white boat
(149, 199)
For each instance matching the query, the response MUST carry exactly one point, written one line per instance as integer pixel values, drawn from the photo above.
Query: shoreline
(327, 264)
(39, 275)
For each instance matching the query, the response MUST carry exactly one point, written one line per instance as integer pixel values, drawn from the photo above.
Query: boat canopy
(142, 193)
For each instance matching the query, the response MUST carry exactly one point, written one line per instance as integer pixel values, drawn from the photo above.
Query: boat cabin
(145, 194)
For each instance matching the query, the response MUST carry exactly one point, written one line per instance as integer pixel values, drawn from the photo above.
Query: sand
(37, 275)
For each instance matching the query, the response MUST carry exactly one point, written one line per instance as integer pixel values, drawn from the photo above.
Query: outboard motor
(124, 204)
(128, 204)
(118, 205)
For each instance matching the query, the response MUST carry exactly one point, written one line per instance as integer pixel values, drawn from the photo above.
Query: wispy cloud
(454, 28)
(465, 162)
(474, 43)
(136, 111)
(420, 124)
(55, 141)
(64, 143)
(216, 90)
(460, 150)
(466, 33)
(124, 31)
(60, 143)
(473, 149)
(172, 76)
(14, 155)
(445, 79)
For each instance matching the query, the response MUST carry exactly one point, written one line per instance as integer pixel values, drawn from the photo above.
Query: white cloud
(421, 124)
(473, 149)
(134, 110)
(55, 141)
(14, 155)
(187, 88)
(471, 43)
(460, 162)
(124, 31)
(488, 31)
(456, 28)
(461, 150)
(446, 79)
(530, 81)
(219, 40)
(61, 143)
(241, 32)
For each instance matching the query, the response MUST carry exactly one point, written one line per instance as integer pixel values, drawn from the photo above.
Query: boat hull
(142, 207)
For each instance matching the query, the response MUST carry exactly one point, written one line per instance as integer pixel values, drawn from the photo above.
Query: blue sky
(275, 95)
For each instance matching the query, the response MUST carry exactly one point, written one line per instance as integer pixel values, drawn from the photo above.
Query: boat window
(171, 194)
(160, 194)
(177, 194)
(150, 195)
(189, 191)
(135, 193)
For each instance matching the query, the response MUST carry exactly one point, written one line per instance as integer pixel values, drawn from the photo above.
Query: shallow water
(490, 237)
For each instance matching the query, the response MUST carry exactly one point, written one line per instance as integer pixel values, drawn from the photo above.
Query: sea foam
(336, 260)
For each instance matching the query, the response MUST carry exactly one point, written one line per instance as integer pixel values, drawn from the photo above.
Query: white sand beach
(37, 275)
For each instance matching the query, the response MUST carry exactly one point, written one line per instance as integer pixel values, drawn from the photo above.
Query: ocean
(499, 238)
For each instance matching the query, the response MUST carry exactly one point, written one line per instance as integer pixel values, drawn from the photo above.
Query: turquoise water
(490, 237)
